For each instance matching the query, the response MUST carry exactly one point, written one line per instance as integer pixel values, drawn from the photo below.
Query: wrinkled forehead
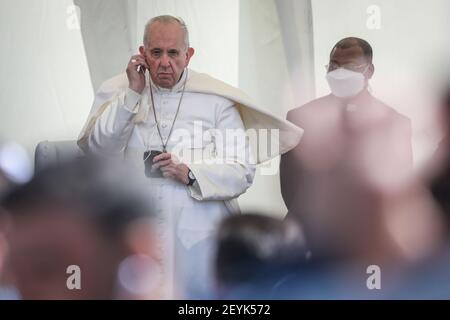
(166, 35)
(352, 54)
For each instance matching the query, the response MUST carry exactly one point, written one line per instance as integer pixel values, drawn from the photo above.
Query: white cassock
(209, 135)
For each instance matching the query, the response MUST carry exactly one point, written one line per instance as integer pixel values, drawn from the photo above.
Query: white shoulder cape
(252, 116)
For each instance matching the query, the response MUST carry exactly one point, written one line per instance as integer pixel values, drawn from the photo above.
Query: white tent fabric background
(108, 30)
(53, 59)
(45, 85)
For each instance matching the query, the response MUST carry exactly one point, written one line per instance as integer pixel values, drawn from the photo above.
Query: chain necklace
(164, 144)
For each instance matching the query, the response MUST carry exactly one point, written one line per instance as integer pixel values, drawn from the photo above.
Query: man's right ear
(190, 52)
(142, 50)
(371, 71)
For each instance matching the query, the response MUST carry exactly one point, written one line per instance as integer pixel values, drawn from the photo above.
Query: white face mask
(345, 83)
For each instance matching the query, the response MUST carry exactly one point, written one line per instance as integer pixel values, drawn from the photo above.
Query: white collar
(178, 87)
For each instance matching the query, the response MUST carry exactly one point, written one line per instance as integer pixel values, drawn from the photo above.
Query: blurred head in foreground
(80, 230)
(254, 248)
(14, 169)
(4, 183)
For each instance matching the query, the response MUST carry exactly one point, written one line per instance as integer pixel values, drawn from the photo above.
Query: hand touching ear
(136, 73)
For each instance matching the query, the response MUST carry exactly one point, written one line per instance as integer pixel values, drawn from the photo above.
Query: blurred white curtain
(296, 26)
(276, 68)
(45, 85)
(109, 32)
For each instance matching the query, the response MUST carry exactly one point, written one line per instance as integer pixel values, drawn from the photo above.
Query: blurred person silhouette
(350, 184)
(440, 181)
(361, 247)
(79, 230)
(5, 291)
(255, 250)
(14, 169)
(439, 161)
(347, 126)
(7, 288)
(355, 151)
(430, 279)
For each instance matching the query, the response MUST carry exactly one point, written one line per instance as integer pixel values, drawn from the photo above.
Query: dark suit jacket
(365, 137)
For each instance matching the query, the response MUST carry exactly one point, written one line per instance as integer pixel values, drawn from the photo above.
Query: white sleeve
(232, 171)
(113, 128)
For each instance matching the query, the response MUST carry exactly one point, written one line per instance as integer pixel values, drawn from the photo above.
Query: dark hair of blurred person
(5, 183)
(254, 249)
(15, 169)
(84, 214)
(5, 290)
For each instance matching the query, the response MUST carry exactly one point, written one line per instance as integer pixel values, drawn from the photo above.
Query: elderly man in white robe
(188, 133)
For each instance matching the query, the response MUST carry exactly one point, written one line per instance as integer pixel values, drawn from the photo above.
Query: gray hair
(167, 19)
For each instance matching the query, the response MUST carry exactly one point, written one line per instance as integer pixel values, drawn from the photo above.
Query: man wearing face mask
(348, 129)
